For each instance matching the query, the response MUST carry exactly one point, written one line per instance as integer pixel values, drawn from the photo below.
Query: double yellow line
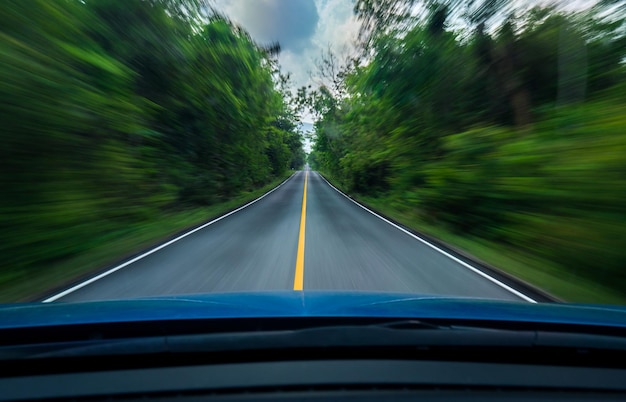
(298, 281)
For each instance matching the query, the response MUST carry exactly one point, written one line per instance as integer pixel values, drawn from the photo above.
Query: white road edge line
(463, 263)
(154, 250)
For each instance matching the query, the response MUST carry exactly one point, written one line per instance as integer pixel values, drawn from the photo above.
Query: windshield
(439, 148)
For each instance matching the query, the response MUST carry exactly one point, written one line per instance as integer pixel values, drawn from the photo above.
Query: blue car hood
(305, 304)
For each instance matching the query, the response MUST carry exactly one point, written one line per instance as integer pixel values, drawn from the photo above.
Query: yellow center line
(298, 282)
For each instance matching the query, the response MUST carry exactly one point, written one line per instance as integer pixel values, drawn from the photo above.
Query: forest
(491, 122)
(496, 126)
(116, 114)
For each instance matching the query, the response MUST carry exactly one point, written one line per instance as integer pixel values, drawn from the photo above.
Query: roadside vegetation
(501, 130)
(119, 114)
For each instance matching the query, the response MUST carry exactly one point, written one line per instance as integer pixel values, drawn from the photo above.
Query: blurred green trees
(115, 111)
(510, 127)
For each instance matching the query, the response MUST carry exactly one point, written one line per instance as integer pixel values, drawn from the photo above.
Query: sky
(304, 28)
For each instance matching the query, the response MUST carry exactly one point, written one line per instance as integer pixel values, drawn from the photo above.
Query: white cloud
(337, 24)
(304, 28)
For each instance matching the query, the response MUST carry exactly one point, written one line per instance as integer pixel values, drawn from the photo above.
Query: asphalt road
(255, 249)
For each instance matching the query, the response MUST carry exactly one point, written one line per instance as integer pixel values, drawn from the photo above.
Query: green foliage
(515, 137)
(556, 192)
(114, 112)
